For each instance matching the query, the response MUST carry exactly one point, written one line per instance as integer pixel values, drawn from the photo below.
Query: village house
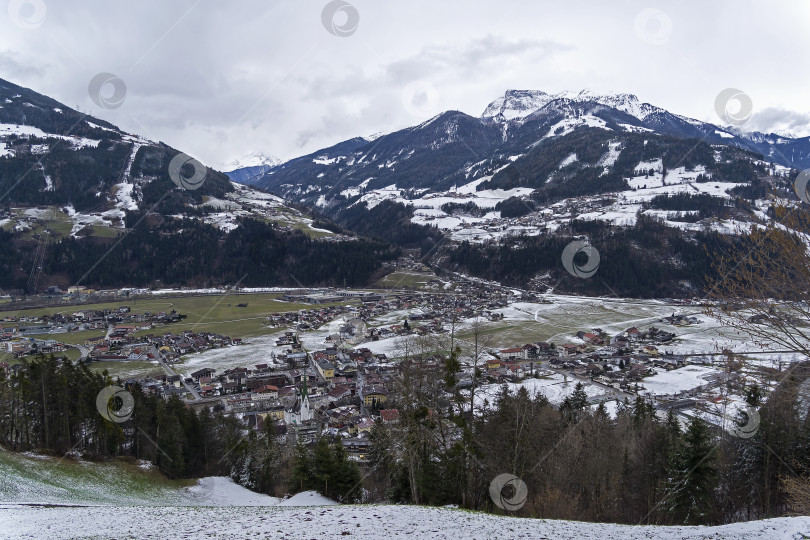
(375, 395)
(513, 353)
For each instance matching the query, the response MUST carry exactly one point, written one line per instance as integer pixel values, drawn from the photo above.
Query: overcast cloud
(223, 79)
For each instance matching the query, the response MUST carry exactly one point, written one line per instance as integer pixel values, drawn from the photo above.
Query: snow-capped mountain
(253, 159)
(251, 166)
(453, 148)
(518, 104)
(535, 163)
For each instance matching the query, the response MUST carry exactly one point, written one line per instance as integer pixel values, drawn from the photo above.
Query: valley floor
(375, 521)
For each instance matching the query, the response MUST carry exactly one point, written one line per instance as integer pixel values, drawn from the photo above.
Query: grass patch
(105, 232)
(43, 479)
(309, 231)
(413, 280)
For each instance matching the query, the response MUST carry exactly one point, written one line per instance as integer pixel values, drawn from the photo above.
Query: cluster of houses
(16, 332)
(343, 391)
(18, 347)
(121, 344)
(338, 392)
(75, 294)
(620, 360)
(307, 319)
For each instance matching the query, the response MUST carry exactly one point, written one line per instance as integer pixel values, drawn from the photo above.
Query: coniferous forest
(189, 252)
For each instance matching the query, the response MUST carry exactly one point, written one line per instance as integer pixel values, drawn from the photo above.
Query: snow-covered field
(560, 320)
(555, 387)
(258, 350)
(679, 380)
(22, 130)
(373, 522)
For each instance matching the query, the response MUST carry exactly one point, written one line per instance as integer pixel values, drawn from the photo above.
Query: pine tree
(346, 476)
(323, 466)
(692, 476)
(579, 398)
(753, 395)
(301, 476)
(451, 368)
(601, 411)
(641, 410)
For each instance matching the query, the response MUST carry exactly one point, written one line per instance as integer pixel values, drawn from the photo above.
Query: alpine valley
(496, 197)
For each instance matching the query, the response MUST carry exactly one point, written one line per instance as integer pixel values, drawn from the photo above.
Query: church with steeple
(301, 410)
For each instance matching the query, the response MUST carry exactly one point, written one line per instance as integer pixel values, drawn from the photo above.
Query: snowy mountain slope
(518, 104)
(453, 148)
(92, 174)
(537, 169)
(23, 106)
(74, 188)
(374, 521)
(254, 159)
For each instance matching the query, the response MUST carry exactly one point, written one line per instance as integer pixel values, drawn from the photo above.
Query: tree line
(576, 461)
(50, 405)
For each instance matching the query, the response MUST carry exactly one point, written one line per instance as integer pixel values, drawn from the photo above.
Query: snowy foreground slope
(334, 521)
(42, 497)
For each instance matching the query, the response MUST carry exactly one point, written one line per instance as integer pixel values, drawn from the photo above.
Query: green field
(208, 313)
(41, 479)
(57, 223)
(7, 357)
(106, 232)
(309, 231)
(413, 280)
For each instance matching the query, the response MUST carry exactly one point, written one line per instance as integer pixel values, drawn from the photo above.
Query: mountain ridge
(84, 202)
(515, 108)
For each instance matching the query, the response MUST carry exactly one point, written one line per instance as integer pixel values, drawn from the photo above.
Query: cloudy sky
(220, 80)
